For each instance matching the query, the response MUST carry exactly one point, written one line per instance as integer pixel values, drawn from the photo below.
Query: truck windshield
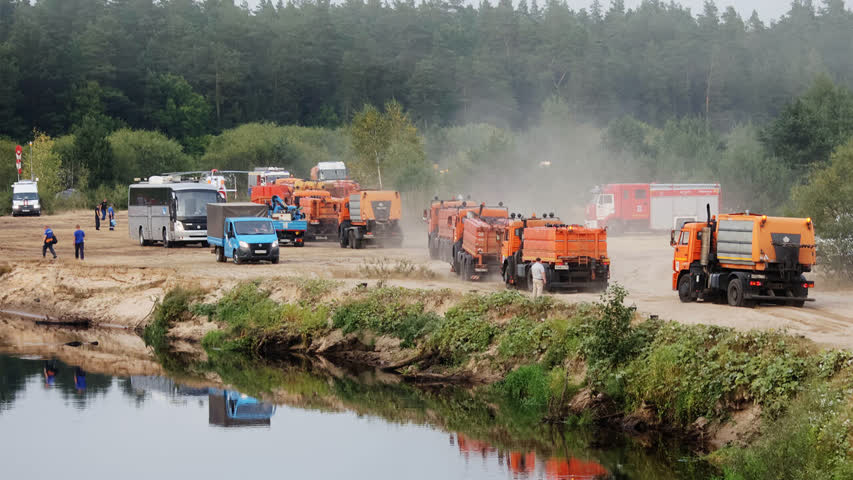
(25, 196)
(194, 203)
(332, 174)
(254, 227)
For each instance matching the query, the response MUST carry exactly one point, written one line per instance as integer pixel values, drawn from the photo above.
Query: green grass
(173, 308)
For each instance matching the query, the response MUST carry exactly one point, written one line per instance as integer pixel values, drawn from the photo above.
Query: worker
(48, 241)
(537, 271)
(112, 216)
(104, 206)
(98, 217)
(79, 235)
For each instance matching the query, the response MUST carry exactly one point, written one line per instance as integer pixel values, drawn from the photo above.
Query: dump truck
(371, 217)
(574, 256)
(479, 232)
(321, 211)
(431, 216)
(625, 207)
(242, 232)
(744, 258)
(324, 171)
(341, 188)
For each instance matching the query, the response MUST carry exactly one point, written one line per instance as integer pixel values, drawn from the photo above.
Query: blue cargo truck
(290, 223)
(241, 232)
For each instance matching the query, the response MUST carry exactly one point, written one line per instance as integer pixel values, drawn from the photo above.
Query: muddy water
(74, 424)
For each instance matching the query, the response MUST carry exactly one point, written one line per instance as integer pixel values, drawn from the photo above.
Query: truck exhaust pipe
(708, 209)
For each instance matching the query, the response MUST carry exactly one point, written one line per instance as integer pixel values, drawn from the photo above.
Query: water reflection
(524, 465)
(377, 428)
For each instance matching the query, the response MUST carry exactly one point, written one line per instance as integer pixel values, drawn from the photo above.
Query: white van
(25, 198)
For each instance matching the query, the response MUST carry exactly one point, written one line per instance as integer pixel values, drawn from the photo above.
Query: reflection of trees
(13, 378)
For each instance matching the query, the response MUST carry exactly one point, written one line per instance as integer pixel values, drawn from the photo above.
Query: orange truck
(574, 256)
(370, 217)
(321, 211)
(744, 258)
(341, 188)
(466, 236)
(431, 216)
(477, 236)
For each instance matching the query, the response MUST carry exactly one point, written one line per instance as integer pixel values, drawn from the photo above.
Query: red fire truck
(650, 206)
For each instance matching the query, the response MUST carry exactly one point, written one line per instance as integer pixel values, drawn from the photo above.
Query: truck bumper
(776, 298)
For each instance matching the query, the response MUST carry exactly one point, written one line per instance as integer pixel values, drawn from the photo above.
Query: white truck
(25, 198)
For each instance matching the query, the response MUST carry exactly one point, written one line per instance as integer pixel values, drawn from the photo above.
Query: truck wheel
(351, 239)
(684, 293)
(142, 241)
(735, 293)
(529, 281)
(166, 243)
(343, 238)
(799, 291)
(220, 254)
(274, 260)
(433, 248)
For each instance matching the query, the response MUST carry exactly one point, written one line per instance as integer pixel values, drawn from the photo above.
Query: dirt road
(120, 281)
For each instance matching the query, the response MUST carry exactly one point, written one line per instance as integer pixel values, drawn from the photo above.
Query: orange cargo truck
(744, 258)
(431, 216)
(479, 231)
(370, 217)
(321, 211)
(574, 256)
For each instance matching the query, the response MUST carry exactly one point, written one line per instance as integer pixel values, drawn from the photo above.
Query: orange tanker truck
(574, 256)
(370, 217)
(744, 258)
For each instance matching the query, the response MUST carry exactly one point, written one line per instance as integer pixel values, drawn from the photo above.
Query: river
(69, 423)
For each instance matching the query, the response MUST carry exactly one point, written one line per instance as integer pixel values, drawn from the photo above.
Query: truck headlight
(275, 244)
(179, 226)
(244, 245)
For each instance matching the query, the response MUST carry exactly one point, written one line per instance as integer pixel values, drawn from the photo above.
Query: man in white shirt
(537, 271)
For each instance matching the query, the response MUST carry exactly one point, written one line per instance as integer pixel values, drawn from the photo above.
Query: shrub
(173, 308)
(462, 332)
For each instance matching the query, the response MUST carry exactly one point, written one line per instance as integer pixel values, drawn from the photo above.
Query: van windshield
(254, 227)
(25, 196)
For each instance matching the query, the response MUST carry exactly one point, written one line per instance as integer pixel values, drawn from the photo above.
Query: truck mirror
(425, 215)
(672, 238)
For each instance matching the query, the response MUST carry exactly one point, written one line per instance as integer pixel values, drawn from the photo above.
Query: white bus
(170, 213)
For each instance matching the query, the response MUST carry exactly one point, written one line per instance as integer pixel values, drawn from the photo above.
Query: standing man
(79, 235)
(537, 271)
(104, 206)
(97, 217)
(48, 241)
(112, 214)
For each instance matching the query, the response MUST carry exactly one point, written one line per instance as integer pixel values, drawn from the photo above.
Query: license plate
(561, 267)
(260, 252)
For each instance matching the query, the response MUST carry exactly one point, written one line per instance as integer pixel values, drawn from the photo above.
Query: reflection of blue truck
(241, 232)
(228, 408)
(290, 223)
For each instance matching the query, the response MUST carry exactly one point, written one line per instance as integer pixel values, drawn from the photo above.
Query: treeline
(193, 68)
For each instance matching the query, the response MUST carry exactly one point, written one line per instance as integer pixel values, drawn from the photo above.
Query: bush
(386, 311)
(174, 307)
(609, 339)
(463, 332)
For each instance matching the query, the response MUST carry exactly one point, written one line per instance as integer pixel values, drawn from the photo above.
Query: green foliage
(313, 290)
(388, 141)
(812, 126)
(828, 199)
(177, 110)
(812, 440)
(173, 308)
(140, 154)
(386, 311)
(522, 338)
(263, 144)
(527, 387)
(464, 331)
(93, 150)
(609, 339)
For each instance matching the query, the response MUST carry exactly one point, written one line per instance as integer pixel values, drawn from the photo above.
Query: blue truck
(290, 223)
(242, 232)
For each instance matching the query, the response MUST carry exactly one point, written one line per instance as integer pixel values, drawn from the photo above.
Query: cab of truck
(250, 239)
(25, 198)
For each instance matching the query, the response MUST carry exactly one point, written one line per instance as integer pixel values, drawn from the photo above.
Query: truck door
(230, 240)
(640, 203)
(604, 206)
(681, 259)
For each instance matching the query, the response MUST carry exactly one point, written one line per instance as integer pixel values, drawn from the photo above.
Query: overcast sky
(767, 9)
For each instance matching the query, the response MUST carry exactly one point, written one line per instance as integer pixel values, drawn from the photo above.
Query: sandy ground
(120, 281)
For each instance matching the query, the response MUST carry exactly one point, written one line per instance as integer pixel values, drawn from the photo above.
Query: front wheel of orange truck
(684, 289)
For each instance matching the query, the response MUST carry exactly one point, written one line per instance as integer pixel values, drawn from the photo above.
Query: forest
(468, 98)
